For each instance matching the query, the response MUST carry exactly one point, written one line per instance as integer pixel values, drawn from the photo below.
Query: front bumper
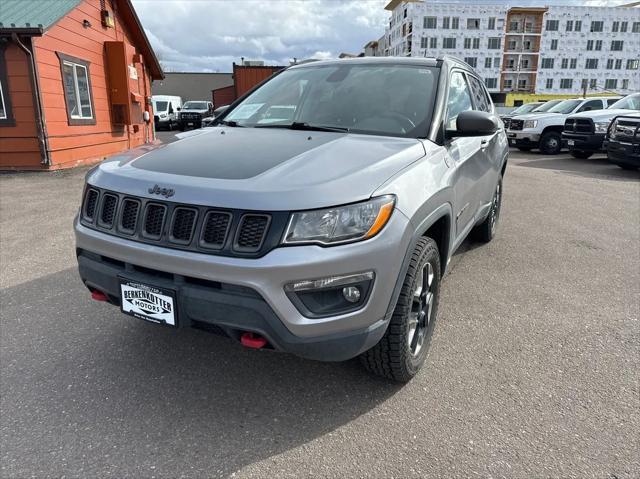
(523, 139)
(624, 153)
(583, 141)
(281, 321)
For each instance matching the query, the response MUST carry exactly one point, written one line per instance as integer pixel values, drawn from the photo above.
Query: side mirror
(475, 123)
(220, 110)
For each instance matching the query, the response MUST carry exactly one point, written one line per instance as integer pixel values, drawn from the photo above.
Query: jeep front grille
(108, 211)
(184, 220)
(203, 229)
(154, 220)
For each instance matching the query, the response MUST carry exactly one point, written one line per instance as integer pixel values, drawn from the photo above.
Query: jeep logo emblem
(166, 192)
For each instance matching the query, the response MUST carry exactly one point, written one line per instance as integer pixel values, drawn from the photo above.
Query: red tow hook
(99, 295)
(252, 340)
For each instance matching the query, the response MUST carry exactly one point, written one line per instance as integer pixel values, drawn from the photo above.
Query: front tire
(551, 143)
(486, 230)
(403, 349)
(583, 155)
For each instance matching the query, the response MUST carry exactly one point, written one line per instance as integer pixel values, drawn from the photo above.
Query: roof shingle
(33, 13)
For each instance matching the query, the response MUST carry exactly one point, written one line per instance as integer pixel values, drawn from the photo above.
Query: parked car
(623, 141)
(521, 110)
(541, 108)
(193, 112)
(544, 131)
(585, 132)
(325, 234)
(165, 110)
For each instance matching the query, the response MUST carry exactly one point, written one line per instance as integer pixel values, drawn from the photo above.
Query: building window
(610, 64)
(494, 43)
(491, 82)
(618, 64)
(448, 43)
(632, 64)
(552, 25)
(487, 62)
(496, 62)
(76, 83)
(625, 84)
(511, 63)
(433, 42)
(611, 84)
(597, 26)
(522, 84)
(616, 45)
(423, 42)
(569, 26)
(549, 83)
(547, 63)
(476, 43)
(473, 24)
(554, 44)
(591, 64)
(578, 26)
(524, 64)
(446, 22)
(598, 45)
(565, 63)
(455, 23)
(566, 83)
(492, 23)
(473, 61)
(467, 43)
(527, 45)
(6, 112)
(430, 22)
(589, 45)
(635, 28)
(593, 83)
(623, 27)
(508, 84)
(514, 26)
(615, 27)
(573, 64)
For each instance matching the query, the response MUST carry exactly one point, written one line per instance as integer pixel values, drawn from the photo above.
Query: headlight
(342, 224)
(601, 126)
(530, 123)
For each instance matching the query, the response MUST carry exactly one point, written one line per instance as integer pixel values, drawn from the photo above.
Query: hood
(604, 115)
(538, 116)
(262, 169)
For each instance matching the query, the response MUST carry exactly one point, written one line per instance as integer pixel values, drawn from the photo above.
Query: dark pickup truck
(623, 141)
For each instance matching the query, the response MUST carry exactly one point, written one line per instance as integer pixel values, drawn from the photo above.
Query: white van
(165, 110)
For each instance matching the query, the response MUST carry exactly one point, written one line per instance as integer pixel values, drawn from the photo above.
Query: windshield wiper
(231, 123)
(299, 125)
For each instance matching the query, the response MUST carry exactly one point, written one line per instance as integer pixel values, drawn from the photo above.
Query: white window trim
(74, 67)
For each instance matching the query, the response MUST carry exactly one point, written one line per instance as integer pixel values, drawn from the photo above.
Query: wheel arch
(555, 128)
(437, 226)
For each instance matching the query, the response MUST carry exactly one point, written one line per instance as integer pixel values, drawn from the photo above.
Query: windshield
(631, 102)
(380, 99)
(566, 106)
(161, 106)
(195, 105)
(547, 106)
(525, 108)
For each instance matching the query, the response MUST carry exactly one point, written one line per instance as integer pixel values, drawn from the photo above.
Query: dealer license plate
(571, 142)
(148, 302)
(189, 124)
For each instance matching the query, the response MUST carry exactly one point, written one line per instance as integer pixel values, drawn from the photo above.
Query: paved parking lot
(533, 370)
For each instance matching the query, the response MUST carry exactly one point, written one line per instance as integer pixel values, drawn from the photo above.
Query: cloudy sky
(208, 35)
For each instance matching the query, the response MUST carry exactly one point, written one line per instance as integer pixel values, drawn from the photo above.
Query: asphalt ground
(533, 369)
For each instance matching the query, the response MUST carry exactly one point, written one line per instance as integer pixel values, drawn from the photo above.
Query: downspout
(35, 87)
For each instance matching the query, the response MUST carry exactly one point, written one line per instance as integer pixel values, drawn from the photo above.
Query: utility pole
(585, 84)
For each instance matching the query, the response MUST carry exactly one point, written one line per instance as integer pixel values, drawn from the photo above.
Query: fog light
(351, 294)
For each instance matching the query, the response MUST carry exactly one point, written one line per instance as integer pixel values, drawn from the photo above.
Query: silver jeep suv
(317, 217)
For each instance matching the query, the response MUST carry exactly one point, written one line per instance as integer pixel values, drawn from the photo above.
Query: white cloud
(208, 35)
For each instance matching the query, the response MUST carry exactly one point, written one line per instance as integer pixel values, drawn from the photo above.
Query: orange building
(75, 82)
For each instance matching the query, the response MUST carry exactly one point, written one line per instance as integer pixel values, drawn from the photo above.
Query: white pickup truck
(530, 131)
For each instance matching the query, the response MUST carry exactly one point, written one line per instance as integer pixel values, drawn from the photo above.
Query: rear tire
(486, 230)
(551, 143)
(403, 349)
(627, 167)
(583, 155)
